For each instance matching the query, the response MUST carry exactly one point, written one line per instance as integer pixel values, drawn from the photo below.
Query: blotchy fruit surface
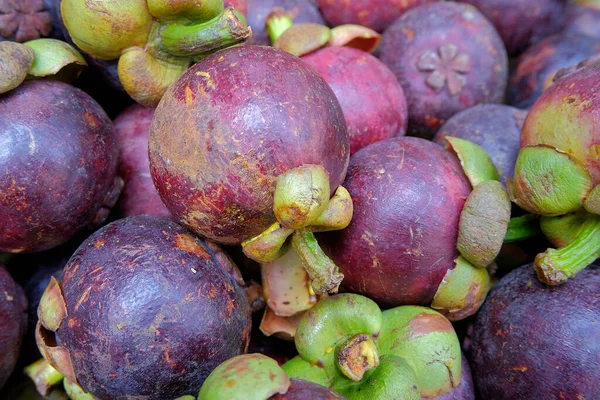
(13, 320)
(448, 57)
(139, 194)
(372, 99)
(376, 15)
(58, 161)
(151, 310)
(567, 117)
(408, 194)
(495, 127)
(522, 23)
(537, 66)
(531, 341)
(259, 10)
(233, 123)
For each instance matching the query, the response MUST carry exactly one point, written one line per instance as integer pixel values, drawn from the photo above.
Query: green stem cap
(358, 356)
(522, 228)
(44, 375)
(556, 266)
(278, 22)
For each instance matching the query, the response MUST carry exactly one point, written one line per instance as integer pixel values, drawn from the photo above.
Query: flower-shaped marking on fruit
(24, 20)
(447, 67)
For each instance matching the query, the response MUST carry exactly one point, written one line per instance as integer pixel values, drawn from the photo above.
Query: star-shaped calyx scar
(447, 67)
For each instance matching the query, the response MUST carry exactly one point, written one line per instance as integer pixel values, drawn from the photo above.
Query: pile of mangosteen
(299, 199)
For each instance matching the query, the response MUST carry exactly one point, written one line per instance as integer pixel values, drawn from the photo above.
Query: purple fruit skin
(428, 28)
(372, 99)
(465, 389)
(376, 15)
(522, 23)
(531, 341)
(582, 19)
(244, 116)
(301, 390)
(495, 127)
(259, 10)
(152, 310)
(139, 194)
(408, 194)
(240, 5)
(13, 320)
(33, 19)
(541, 61)
(59, 160)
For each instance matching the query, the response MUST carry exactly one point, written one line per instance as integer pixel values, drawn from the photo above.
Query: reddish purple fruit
(522, 23)
(25, 20)
(144, 310)
(408, 194)
(259, 10)
(495, 127)
(447, 57)
(377, 15)
(244, 116)
(240, 5)
(139, 194)
(531, 341)
(13, 320)
(58, 159)
(372, 100)
(536, 67)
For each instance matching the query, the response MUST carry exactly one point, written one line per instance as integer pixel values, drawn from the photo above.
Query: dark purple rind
(376, 15)
(58, 159)
(427, 28)
(537, 66)
(25, 20)
(301, 390)
(465, 389)
(152, 310)
(139, 194)
(259, 10)
(13, 323)
(531, 341)
(521, 23)
(372, 99)
(229, 126)
(495, 127)
(583, 20)
(408, 194)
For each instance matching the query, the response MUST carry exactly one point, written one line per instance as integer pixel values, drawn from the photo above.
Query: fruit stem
(522, 228)
(225, 30)
(358, 356)
(322, 271)
(44, 375)
(278, 22)
(556, 266)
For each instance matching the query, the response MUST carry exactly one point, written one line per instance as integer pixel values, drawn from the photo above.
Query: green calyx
(522, 228)
(462, 291)
(75, 392)
(302, 206)
(37, 59)
(427, 340)
(549, 182)
(556, 266)
(592, 202)
(346, 343)
(483, 223)
(563, 229)
(44, 375)
(304, 38)
(245, 377)
(155, 40)
(476, 162)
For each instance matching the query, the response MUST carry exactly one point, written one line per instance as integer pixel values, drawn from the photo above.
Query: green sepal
(304, 38)
(55, 59)
(245, 377)
(299, 368)
(483, 223)
(521, 228)
(548, 181)
(75, 392)
(427, 340)
(476, 162)
(15, 61)
(592, 202)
